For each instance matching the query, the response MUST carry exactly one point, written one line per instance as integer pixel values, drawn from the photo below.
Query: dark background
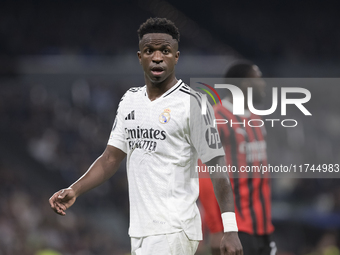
(64, 66)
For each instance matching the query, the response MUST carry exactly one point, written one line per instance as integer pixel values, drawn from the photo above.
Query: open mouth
(157, 70)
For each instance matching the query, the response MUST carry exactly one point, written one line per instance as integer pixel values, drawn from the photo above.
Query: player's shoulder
(135, 89)
(131, 95)
(186, 89)
(191, 98)
(189, 93)
(133, 92)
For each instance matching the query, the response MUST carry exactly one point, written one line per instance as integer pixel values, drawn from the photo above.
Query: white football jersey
(163, 140)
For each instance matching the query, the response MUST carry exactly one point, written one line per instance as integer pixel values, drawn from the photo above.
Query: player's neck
(156, 90)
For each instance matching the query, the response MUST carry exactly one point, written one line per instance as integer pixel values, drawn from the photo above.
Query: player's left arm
(230, 243)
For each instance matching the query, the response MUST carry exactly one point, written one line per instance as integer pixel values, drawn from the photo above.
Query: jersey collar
(167, 93)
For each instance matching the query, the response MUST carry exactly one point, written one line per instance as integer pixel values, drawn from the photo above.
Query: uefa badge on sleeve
(165, 116)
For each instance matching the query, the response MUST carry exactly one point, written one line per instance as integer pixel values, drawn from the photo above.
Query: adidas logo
(131, 116)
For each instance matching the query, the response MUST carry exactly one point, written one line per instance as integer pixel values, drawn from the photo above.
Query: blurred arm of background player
(230, 243)
(102, 169)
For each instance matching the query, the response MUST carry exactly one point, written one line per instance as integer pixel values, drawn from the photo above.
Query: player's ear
(139, 55)
(177, 57)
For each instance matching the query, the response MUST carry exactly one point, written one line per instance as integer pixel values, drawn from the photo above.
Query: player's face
(158, 56)
(257, 84)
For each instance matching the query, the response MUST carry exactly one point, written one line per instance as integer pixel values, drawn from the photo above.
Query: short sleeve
(117, 136)
(203, 134)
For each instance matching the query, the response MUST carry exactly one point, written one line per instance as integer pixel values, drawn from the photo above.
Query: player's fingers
(61, 206)
(56, 206)
(59, 210)
(231, 251)
(52, 200)
(239, 251)
(51, 203)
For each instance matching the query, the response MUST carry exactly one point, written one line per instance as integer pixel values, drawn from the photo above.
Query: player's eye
(166, 51)
(148, 51)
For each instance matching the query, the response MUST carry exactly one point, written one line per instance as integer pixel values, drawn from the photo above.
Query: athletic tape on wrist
(229, 222)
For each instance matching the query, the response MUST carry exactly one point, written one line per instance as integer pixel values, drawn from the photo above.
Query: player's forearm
(222, 186)
(223, 193)
(101, 170)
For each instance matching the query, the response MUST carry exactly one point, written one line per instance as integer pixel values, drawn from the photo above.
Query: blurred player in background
(244, 146)
(152, 129)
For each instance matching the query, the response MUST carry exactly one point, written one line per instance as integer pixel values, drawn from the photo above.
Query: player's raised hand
(62, 200)
(230, 244)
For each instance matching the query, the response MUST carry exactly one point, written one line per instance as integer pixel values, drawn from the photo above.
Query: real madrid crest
(165, 116)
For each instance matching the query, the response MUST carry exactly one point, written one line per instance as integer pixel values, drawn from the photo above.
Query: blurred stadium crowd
(294, 31)
(51, 130)
(51, 134)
